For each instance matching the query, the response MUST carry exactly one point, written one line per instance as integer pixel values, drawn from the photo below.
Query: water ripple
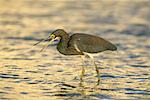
(12, 76)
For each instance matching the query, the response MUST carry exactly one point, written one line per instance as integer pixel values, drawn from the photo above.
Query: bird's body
(79, 44)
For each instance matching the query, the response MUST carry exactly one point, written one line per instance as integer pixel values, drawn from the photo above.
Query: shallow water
(25, 73)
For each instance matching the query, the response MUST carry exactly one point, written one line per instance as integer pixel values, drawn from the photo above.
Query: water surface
(25, 73)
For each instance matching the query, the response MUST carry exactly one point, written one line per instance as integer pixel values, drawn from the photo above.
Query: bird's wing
(89, 43)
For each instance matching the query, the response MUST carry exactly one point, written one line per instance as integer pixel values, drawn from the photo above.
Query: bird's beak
(51, 39)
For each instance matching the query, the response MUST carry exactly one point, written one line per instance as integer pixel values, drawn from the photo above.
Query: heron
(79, 44)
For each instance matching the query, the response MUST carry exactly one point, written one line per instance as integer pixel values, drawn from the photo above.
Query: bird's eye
(52, 36)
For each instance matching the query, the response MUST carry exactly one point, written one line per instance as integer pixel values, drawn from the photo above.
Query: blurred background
(27, 74)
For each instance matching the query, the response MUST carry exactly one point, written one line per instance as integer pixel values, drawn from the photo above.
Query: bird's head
(54, 37)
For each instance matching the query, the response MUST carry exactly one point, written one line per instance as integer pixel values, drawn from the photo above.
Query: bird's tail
(112, 47)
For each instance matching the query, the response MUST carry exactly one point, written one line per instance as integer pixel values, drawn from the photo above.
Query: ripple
(134, 56)
(14, 66)
(137, 29)
(30, 71)
(110, 89)
(18, 58)
(141, 79)
(132, 75)
(35, 82)
(3, 98)
(102, 96)
(8, 88)
(141, 66)
(68, 85)
(24, 93)
(111, 76)
(23, 38)
(12, 76)
(134, 91)
(3, 92)
(68, 94)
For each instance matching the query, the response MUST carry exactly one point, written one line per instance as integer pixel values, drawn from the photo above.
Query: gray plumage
(79, 43)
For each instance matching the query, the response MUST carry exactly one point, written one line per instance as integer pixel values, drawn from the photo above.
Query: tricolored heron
(79, 44)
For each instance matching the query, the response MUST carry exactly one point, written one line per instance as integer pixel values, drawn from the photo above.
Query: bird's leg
(82, 75)
(96, 68)
(97, 71)
(82, 72)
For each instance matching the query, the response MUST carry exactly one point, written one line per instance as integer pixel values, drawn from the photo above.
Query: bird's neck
(63, 44)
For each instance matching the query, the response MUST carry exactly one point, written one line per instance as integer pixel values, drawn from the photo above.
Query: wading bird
(79, 44)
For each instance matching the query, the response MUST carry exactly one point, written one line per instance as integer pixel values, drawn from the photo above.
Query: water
(25, 73)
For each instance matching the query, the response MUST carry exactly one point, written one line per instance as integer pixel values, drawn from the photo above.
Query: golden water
(27, 74)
